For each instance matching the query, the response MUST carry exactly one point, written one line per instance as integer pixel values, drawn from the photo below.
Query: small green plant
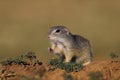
(55, 62)
(69, 67)
(113, 55)
(96, 75)
(25, 59)
(67, 77)
(13, 60)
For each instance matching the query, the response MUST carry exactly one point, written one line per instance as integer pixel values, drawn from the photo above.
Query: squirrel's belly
(60, 46)
(60, 49)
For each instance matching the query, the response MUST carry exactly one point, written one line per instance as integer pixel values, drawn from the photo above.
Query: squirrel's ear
(67, 31)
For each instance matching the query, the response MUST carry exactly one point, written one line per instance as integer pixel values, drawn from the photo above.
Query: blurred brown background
(24, 25)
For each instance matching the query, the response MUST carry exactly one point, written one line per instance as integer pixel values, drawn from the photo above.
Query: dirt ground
(99, 70)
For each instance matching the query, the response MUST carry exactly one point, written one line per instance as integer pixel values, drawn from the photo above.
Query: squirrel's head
(58, 33)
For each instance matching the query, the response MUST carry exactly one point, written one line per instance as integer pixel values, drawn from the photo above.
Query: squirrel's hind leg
(68, 57)
(83, 60)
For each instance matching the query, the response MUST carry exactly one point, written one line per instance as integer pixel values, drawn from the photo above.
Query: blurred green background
(24, 25)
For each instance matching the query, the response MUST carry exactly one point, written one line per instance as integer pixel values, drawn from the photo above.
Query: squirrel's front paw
(50, 50)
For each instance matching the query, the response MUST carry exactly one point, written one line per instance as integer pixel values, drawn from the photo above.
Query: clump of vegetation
(28, 58)
(96, 75)
(67, 77)
(113, 55)
(69, 67)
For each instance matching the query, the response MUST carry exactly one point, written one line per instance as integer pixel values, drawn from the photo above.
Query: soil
(99, 70)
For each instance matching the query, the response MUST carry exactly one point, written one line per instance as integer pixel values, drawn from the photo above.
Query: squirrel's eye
(57, 31)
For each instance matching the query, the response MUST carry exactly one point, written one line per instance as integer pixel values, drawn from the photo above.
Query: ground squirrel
(68, 46)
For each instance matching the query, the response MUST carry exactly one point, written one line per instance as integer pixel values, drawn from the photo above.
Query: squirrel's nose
(48, 36)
